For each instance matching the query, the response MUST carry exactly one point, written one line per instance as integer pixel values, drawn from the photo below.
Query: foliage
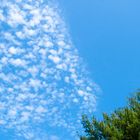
(122, 124)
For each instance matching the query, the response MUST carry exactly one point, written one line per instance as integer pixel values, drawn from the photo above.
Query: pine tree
(122, 124)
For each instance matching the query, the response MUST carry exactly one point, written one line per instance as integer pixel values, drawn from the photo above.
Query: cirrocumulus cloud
(44, 87)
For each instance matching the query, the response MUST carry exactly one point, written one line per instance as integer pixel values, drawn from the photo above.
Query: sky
(107, 34)
(60, 62)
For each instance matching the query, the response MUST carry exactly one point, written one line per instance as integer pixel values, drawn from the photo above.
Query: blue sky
(107, 33)
(47, 87)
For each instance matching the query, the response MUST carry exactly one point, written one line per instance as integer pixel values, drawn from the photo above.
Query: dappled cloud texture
(44, 87)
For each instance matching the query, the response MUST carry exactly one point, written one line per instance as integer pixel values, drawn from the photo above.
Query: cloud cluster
(44, 87)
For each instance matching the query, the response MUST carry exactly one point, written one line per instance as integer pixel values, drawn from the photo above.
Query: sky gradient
(46, 82)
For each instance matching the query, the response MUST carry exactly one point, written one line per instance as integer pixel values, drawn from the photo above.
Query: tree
(122, 124)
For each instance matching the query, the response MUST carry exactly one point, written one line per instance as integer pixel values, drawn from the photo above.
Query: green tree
(122, 124)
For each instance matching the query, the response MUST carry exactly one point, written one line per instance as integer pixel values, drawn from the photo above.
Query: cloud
(55, 59)
(16, 16)
(17, 62)
(1, 15)
(44, 86)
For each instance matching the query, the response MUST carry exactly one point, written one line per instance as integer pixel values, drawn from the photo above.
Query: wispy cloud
(43, 83)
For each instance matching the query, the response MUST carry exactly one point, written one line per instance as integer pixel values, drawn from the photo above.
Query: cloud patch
(44, 87)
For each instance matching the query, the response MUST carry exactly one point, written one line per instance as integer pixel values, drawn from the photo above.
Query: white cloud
(36, 17)
(81, 93)
(40, 109)
(33, 70)
(61, 43)
(74, 76)
(9, 36)
(12, 50)
(43, 52)
(15, 16)
(1, 15)
(53, 52)
(30, 108)
(20, 35)
(35, 83)
(18, 62)
(27, 6)
(12, 113)
(75, 100)
(55, 59)
(61, 66)
(48, 44)
(29, 32)
(2, 122)
(4, 60)
(25, 116)
(67, 79)
(21, 97)
(35, 91)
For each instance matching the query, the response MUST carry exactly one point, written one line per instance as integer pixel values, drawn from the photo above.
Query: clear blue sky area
(107, 34)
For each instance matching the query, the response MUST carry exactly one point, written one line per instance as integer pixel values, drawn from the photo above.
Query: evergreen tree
(122, 124)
